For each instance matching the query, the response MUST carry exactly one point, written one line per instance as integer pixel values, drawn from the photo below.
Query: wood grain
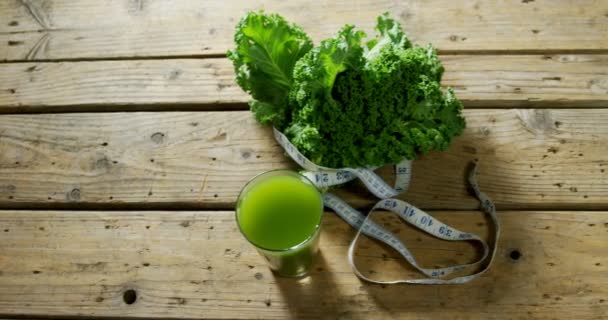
(91, 29)
(196, 265)
(119, 85)
(529, 158)
(480, 81)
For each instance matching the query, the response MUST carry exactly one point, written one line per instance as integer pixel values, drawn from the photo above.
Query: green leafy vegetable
(347, 103)
(267, 48)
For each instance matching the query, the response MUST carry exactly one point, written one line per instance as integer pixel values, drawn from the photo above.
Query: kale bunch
(346, 103)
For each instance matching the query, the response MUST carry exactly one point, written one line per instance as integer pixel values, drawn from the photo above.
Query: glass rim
(290, 172)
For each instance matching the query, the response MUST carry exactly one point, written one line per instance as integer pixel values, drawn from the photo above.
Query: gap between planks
(219, 55)
(224, 107)
(185, 207)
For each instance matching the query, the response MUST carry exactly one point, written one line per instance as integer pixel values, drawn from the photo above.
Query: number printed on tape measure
(426, 221)
(445, 231)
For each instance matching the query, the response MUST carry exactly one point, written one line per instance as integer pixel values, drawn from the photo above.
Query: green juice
(280, 213)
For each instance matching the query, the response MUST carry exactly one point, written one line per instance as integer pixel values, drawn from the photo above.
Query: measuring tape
(324, 177)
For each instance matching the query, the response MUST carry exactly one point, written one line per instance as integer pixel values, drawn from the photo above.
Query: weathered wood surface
(165, 56)
(196, 265)
(530, 158)
(479, 81)
(91, 29)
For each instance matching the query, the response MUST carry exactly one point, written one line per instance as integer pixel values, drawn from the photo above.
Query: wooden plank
(90, 29)
(119, 85)
(528, 80)
(529, 158)
(550, 265)
(480, 81)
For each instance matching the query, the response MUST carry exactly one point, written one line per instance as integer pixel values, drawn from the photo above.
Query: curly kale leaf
(389, 34)
(357, 108)
(267, 48)
(314, 77)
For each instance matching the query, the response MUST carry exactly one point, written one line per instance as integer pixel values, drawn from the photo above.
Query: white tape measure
(324, 177)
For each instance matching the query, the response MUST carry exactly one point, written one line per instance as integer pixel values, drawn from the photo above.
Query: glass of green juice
(280, 212)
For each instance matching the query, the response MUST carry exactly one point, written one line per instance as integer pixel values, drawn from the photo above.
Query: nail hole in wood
(515, 255)
(129, 296)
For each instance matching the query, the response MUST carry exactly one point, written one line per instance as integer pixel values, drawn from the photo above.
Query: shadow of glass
(314, 296)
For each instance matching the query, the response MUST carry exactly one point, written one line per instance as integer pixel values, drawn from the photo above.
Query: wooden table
(124, 142)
